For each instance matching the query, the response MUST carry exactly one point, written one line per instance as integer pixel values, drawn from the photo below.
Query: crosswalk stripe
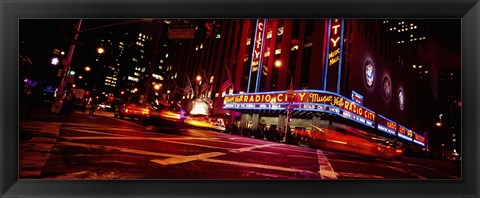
(325, 170)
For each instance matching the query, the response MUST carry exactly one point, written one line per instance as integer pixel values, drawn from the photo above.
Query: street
(103, 147)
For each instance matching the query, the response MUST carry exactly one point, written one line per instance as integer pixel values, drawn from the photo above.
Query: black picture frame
(12, 11)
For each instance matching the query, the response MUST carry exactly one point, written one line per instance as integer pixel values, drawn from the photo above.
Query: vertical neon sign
(333, 57)
(257, 53)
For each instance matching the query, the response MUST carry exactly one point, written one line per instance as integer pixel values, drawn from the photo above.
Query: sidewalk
(41, 113)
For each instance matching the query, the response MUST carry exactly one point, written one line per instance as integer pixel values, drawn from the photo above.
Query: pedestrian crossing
(35, 149)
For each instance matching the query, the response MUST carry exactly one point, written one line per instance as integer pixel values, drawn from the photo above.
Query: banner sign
(313, 100)
(257, 55)
(333, 58)
(418, 139)
(405, 133)
(357, 97)
(386, 125)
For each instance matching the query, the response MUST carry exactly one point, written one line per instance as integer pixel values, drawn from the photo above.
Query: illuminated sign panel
(386, 125)
(357, 97)
(257, 56)
(418, 139)
(405, 133)
(333, 58)
(312, 100)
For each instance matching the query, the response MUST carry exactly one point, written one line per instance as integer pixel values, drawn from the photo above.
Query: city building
(367, 65)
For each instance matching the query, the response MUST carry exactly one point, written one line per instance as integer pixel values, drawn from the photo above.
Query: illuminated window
(411, 35)
(307, 45)
(249, 41)
(420, 66)
(278, 51)
(201, 46)
(414, 27)
(269, 34)
(426, 72)
(280, 31)
(196, 48)
(414, 66)
(133, 78)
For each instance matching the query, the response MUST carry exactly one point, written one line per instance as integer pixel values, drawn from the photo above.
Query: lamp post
(57, 105)
(290, 97)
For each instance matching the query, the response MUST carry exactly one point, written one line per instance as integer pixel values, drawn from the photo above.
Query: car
(205, 122)
(131, 110)
(162, 114)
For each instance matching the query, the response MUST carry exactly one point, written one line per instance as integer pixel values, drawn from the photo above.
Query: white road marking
(184, 159)
(235, 163)
(121, 149)
(382, 165)
(325, 170)
(359, 175)
(262, 166)
(239, 150)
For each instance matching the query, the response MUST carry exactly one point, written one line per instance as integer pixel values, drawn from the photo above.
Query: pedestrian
(93, 105)
(84, 105)
(67, 106)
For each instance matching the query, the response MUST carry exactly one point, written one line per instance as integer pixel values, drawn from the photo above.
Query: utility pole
(290, 98)
(57, 105)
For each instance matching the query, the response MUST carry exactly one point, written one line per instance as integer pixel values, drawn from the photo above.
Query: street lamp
(87, 68)
(55, 61)
(438, 124)
(278, 63)
(199, 78)
(80, 77)
(100, 50)
(156, 87)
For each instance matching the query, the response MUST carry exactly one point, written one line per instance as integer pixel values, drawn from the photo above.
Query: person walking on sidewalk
(67, 106)
(93, 105)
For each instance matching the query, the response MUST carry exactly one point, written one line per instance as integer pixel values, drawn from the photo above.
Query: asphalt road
(103, 147)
